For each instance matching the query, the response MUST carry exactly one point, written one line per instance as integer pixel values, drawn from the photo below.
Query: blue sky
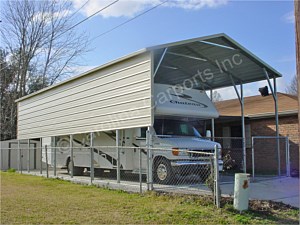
(266, 28)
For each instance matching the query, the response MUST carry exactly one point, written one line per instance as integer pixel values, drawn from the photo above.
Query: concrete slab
(285, 189)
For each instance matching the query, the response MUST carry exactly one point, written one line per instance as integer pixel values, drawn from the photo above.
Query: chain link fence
(135, 169)
(270, 156)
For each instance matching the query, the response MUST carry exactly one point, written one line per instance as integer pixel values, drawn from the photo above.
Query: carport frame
(204, 86)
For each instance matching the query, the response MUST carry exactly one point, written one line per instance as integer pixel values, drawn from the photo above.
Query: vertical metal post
(71, 156)
(274, 93)
(212, 120)
(253, 164)
(140, 171)
(288, 163)
(47, 167)
(19, 156)
(28, 156)
(118, 155)
(243, 130)
(41, 156)
(149, 161)
(277, 129)
(54, 157)
(217, 188)
(92, 156)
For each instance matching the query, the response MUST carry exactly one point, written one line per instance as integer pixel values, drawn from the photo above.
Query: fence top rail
(270, 137)
(185, 150)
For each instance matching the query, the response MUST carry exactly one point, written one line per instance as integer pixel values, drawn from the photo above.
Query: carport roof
(208, 62)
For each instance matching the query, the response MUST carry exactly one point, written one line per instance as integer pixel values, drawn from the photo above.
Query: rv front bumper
(182, 166)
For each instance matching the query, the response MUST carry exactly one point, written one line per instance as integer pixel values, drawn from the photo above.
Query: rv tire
(163, 172)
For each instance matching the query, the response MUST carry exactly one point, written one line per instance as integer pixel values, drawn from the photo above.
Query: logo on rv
(188, 98)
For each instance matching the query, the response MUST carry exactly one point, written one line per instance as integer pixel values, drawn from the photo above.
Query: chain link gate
(270, 156)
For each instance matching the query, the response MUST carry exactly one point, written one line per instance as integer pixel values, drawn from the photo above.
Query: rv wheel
(77, 171)
(163, 173)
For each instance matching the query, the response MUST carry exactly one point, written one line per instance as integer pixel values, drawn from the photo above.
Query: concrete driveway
(284, 189)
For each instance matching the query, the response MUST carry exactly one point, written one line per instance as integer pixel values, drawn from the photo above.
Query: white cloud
(129, 8)
(289, 17)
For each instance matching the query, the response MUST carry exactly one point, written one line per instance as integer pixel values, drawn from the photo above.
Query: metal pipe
(212, 120)
(71, 156)
(149, 164)
(140, 171)
(41, 156)
(160, 61)
(277, 127)
(217, 188)
(243, 130)
(54, 157)
(28, 156)
(92, 156)
(118, 156)
(19, 156)
(288, 172)
(47, 167)
(253, 164)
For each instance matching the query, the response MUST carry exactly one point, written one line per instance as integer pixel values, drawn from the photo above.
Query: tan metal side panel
(116, 97)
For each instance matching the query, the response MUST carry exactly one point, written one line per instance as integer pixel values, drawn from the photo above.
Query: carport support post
(71, 156)
(243, 130)
(28, 156)
(241, 100)
(274, 93)
(212, 120)
(92, 156)
(277, 129)
(118, 155)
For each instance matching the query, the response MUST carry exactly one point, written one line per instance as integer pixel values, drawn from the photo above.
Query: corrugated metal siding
(115, 97)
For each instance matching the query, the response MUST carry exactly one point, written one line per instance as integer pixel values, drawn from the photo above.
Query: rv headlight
(179, 152)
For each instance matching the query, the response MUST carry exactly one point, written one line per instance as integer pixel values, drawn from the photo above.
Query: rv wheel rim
(162, 171)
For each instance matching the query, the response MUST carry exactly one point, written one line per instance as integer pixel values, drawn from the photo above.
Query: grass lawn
(31, 199)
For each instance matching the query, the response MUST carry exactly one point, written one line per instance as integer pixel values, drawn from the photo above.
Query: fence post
(253, 164)
(149, 161)
(28, 156)
(47, 167)
(140, 171)
(71, 156)
(41, 156)
(54, 161)
(118, 155)
(288, 162)
(217, 187)
(19, 157)
(92, 156)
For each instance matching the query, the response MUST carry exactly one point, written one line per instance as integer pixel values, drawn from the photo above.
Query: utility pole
(297, 30)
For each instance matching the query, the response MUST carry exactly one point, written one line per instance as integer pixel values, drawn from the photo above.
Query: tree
(293, 87)
(39, 46)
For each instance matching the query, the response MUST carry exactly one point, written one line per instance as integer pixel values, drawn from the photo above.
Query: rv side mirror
(137, 132)
(208, 133)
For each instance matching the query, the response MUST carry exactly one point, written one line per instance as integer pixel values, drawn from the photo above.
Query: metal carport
(205, 63)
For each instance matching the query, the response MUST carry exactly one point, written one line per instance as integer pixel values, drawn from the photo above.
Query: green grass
(29, 199)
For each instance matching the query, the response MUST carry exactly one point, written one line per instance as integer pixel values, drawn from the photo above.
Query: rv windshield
(174, 128)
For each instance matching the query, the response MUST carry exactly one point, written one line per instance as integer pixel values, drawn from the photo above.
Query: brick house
(260, 121)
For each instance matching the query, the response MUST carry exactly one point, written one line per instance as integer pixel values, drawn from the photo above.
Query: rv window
(174, 127)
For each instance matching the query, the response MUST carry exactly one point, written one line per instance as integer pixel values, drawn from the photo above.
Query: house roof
(258, 106)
